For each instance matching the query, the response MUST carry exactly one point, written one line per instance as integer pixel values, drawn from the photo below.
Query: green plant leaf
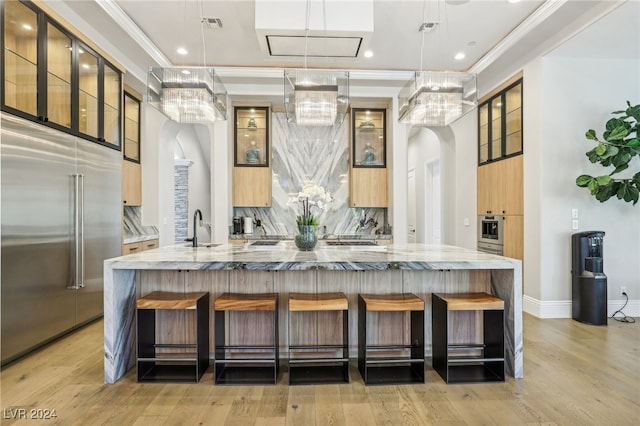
(603, 180)
(591, 135)
(617, 134)
(601, 149)
(619, 169)
(593, 186)
(634, 111)
(635, 142)
(611, 151)
(583, 180)
(605, 192)
(613, 123)
(636, 179)
(621, 158)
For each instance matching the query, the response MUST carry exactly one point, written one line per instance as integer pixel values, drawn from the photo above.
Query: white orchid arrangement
(311, 195)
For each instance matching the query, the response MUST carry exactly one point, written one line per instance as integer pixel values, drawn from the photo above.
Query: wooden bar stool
(308, 369)
(474, 362)
(391, 365)
(243, 362)
(190, 360)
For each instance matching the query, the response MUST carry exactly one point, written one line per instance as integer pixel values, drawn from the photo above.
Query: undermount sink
(265, 243)
(351, 243)
(206, 245)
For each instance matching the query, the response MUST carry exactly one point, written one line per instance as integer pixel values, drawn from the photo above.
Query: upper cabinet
(369, 134)
(500, 125)
(251, 136)
(52, 77)
(252, 166)
(131, 128)
(368, 180)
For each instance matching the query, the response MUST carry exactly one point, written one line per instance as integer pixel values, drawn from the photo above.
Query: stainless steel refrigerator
(61, 218)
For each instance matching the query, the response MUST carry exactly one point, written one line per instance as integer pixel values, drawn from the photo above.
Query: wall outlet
(623, 289)
(574, 213)
(574, 224)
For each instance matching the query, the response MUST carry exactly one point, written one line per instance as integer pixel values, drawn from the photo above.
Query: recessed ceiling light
(85, 66)
(27, 27)
(182, 51)
(459, 56)
(368, 54)
(514, 1)
(186, 72)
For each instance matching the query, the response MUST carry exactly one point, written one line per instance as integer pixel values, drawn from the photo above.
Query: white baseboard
(562, 308)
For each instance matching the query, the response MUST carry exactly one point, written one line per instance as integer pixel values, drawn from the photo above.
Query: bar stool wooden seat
(472, 362)
(392, 364)
(245, 362)
(309, 367)
(172, 362)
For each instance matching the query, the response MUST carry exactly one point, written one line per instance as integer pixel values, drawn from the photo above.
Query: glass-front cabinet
(50, 76)
(59, 69)
(251, 136)
(131, 128)
(20, 54)
(500, 125)
(368, 137)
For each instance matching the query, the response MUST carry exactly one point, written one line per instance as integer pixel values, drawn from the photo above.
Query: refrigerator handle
(76, 232)
(81, 207)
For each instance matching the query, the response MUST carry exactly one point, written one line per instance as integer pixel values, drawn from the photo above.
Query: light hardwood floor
(574, 374)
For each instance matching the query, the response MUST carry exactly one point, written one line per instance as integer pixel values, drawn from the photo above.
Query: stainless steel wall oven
(491, 234)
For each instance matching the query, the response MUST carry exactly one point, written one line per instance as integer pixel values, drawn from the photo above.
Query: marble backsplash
(133, 228)
(321, 155)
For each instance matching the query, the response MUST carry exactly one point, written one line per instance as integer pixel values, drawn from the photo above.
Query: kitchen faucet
(195, 228)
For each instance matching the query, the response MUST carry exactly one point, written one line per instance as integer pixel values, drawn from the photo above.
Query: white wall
(564, 98)
(423, 148)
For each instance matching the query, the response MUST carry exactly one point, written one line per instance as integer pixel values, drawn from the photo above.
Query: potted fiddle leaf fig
(619, 145)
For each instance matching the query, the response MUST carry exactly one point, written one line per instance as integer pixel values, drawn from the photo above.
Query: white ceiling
(147, 33)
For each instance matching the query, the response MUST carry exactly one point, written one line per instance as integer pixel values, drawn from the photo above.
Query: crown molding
(130, 27)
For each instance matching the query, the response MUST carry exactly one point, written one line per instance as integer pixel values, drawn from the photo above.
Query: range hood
(337, 29)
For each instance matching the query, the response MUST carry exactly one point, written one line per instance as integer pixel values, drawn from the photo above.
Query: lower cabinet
(131, 248)
(514, 236)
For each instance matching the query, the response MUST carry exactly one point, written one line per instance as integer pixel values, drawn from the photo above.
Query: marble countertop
(285, 256)
(129, 238)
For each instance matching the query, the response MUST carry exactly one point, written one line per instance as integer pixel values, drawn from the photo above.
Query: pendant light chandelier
(436, 98)
(188, 94)
(315, 97)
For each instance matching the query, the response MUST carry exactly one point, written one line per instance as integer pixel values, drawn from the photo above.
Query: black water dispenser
(589, 283)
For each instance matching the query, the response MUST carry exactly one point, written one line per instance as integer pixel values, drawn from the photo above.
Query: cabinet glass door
(514, 120)
(131, 128)
(20, 58)
(88, 92)
(58, 77)
(111, 105)
(369, 137)
(496, 128)
(251, 136)
(483, 136)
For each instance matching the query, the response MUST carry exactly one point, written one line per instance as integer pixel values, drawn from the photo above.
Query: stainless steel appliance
(491, 234)
(61, 218)
(589, 283)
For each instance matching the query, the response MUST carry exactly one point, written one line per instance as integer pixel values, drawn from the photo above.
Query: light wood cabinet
(368, 186)
(138, 247)
(514, 236)
(500, 187)
(131, 149)
(131, 183)
(252, 166)
(131, 248)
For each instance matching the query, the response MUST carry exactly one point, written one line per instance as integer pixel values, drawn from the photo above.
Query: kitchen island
(282, 268)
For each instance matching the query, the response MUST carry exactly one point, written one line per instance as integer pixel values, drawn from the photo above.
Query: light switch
(574, 224)
(466, 221)
(574, 213)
